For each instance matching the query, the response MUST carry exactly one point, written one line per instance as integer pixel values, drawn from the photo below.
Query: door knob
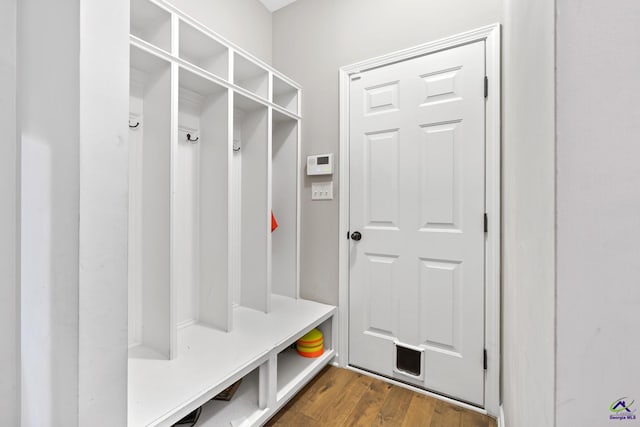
(356, 235)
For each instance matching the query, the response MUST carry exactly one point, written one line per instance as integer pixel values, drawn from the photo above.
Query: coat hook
(134, 126)
(236, 149)
(192, 140)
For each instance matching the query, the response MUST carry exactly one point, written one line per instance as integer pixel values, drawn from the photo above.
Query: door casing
(491, 36)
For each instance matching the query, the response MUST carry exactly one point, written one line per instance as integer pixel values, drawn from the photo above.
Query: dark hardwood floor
(340, 397)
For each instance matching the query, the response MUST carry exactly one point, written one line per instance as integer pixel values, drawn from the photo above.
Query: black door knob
(356, 235)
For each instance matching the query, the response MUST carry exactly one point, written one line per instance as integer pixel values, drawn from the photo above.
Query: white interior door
(417, 195)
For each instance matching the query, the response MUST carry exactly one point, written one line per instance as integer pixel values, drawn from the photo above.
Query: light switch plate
(322, 190)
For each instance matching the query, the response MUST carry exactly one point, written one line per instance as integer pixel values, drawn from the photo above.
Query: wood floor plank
(368, 407)
(394, 409)
(446, 415)
(346, 400)
(420, 411)
(475, 419)
(326, 394)
(282, 414)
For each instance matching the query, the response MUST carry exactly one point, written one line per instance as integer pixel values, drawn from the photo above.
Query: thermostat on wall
(320, 164)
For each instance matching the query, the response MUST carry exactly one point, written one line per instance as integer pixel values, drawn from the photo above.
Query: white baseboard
(501, 421)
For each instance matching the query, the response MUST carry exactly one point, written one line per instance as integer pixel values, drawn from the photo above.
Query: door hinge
(485, 363)
(486, 223)
(486, 86)
(348, 235)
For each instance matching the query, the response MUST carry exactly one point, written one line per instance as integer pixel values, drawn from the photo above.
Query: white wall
(528, 176)
(311, 40)
(9, 314)
(73, 224)
(247, 23)
(598, 188)
(49, 113)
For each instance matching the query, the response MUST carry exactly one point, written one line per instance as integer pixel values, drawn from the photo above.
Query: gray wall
(528, 200)
(9, 315)
(247, 23)
(598, 188)
(311, 40)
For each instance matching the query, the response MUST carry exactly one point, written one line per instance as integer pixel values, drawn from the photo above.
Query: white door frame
(491, 36)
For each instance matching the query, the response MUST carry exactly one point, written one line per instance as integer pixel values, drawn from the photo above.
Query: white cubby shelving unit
(213, 292)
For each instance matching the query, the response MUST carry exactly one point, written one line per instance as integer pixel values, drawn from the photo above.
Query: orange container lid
(311, 354)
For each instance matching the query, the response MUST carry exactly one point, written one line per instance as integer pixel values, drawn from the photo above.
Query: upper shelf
(285, 95)
(146, 62)
(198, 85)
(251, 76)
(203, 51)
(151, 23)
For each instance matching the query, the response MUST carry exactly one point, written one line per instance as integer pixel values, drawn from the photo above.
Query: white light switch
(322, 190)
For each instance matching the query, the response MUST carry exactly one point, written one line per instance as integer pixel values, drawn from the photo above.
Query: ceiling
(274, 5)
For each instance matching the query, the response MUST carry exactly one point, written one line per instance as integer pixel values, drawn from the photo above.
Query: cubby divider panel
(243, 406)
(252, 188)
(201, 183)
(150, 204)
(285, 205)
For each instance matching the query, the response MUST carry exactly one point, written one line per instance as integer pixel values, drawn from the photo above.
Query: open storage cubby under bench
(161, 392)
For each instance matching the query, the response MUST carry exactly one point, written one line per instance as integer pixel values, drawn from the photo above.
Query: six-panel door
(417, 197)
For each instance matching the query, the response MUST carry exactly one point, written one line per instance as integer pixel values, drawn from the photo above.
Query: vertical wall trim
(343, 229)
(554, 387)
(102, 214)
(9, 220)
